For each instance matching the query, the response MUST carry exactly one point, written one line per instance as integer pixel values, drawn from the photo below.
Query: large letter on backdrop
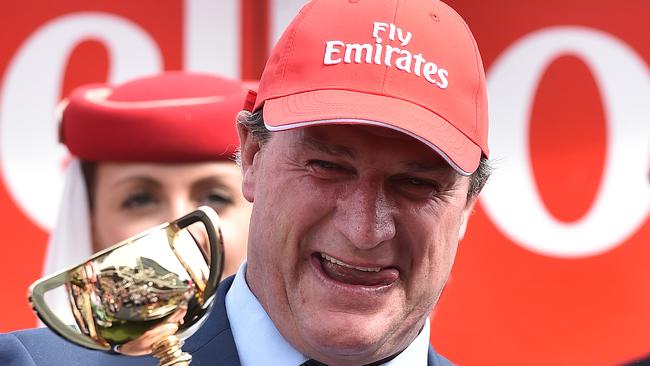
(30, 92)
(511, 198)
(212, 36)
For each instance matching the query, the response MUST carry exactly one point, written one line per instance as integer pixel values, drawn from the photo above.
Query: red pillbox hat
(409, 65)
(170, 117)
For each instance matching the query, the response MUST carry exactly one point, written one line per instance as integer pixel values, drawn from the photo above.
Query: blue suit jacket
(211, 345)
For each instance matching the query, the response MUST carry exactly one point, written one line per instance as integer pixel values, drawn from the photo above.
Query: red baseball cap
(408, 65)
(170, 117)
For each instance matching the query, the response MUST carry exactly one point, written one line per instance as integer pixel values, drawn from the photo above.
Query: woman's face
(131, 197)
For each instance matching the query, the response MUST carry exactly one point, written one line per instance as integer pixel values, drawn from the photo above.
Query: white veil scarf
(70, 240)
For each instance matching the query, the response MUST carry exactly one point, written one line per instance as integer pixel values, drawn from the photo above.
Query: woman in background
(143, 153)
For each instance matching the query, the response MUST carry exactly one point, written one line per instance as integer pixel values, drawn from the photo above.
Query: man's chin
(335, 338)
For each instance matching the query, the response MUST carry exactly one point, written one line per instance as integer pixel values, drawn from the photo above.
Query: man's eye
(417, 186)
(327, 170)
(417, 182)
(324, 164)
(138, 200)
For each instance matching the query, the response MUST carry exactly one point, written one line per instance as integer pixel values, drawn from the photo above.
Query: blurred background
(555, 268)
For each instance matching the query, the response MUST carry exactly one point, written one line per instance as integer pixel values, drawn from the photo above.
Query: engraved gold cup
(144, 295)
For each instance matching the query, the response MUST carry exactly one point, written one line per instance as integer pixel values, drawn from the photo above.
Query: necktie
(313, 362)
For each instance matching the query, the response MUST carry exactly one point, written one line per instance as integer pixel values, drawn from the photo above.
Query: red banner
(555, 269)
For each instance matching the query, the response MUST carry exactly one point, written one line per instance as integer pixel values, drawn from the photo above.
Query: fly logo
(380, 53)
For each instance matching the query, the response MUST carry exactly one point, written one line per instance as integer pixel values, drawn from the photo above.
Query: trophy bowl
(144, 295)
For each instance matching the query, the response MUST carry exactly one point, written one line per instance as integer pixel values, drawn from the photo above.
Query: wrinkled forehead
(353, 140)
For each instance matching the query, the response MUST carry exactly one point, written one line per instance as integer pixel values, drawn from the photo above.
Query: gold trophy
(143, 295)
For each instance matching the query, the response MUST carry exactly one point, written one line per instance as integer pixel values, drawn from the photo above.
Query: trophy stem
(168, 351)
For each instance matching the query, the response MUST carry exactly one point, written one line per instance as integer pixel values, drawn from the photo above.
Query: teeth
(336, 261)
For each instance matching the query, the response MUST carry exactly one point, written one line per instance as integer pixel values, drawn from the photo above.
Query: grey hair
(254, 122)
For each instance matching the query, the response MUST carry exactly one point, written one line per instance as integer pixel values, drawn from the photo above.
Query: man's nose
(366, 216)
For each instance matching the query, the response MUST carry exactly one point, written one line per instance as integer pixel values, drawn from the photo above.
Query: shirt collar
(259, 342)
(417, 352)
(257, 339)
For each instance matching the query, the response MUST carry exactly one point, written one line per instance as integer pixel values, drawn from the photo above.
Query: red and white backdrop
(555, 268)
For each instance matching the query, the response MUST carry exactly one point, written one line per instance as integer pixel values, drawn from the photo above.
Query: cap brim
(348, 107)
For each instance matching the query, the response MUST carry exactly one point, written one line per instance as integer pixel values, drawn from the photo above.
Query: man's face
(353, 234)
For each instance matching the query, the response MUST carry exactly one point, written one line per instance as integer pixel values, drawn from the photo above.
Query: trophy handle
(208, 287)
(211, 220)
(37, 299)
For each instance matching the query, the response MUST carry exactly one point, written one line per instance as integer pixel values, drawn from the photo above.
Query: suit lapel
(434, 359)
(213, 343)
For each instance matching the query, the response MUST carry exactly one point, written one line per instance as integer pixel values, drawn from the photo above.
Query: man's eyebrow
(420, 167)
(336, 150)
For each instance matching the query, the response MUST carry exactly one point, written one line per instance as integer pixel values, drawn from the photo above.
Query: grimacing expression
(131, 197)
(353, 234)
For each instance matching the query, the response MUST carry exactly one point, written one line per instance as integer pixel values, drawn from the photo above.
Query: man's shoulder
(213, 343)
(42, 347)
(13, 352)
(435, 359)
(38, 346)
(639, 362)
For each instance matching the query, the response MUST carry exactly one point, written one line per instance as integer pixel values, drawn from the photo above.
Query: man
(363, 155)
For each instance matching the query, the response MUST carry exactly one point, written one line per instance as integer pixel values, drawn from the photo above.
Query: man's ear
(467, 212)
(250, 147)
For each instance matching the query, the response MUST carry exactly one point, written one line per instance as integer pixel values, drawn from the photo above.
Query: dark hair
(89, 169)
(254, 122)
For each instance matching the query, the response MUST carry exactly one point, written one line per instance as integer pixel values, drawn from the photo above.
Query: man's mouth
(339, 270)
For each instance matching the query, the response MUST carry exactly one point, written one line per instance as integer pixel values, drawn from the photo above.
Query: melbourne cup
(144, 295)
